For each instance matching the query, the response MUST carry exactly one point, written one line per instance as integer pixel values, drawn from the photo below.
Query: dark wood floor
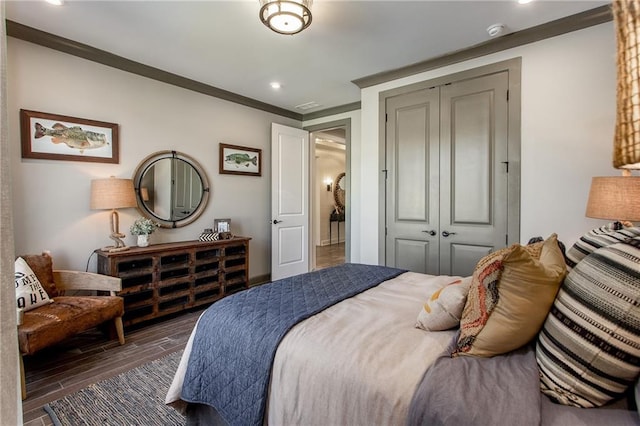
(91, 357)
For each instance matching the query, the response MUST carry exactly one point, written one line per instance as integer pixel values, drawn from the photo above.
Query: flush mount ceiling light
(286, 16)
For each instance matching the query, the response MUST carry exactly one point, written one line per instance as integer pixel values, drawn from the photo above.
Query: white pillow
(29, 292)
(443, 308)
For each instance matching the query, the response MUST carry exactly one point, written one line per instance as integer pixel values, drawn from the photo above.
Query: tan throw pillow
(443, 308)
(29, 292)
(523, 290)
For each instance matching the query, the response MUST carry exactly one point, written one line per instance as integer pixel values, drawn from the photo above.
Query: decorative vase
(143, 240)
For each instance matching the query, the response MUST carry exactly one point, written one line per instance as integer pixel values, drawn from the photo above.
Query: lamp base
(112, 249)
(116, 236)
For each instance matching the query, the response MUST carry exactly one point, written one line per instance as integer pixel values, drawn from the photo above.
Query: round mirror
(338, 191)
(171, 188)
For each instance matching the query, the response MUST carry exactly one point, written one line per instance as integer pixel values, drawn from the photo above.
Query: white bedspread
(357, 362)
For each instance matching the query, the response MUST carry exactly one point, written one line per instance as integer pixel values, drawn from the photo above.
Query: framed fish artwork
(240, 160)
(59, 137)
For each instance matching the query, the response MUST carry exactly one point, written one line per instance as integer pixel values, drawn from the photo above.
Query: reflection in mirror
(171, 188)
(339, 192)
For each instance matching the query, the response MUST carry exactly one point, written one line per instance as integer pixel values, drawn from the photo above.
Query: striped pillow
(611, 233)
(588, 351)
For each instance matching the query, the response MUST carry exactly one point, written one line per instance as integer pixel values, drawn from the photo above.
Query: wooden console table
(162, 279)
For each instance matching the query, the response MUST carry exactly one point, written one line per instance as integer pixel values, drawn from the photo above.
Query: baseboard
(260, 279)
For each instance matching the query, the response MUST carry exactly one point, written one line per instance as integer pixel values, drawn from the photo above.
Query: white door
(289, 201)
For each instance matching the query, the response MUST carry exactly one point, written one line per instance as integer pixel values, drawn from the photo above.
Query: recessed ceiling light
(55, 2)
(524, 1)
(275, 85)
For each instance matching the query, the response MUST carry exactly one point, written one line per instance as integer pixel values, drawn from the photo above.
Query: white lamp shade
(112, 193)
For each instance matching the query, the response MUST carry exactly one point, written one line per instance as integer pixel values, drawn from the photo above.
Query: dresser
(163, 279)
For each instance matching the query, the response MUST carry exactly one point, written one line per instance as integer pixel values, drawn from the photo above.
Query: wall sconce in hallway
(329, 183)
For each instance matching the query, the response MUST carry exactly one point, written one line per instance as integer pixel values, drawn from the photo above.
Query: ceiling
(224, 44)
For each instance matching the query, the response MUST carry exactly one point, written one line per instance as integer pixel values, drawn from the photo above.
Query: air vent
(307, 106)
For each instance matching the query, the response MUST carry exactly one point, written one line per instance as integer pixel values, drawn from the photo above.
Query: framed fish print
(59, 137)
(240, 160)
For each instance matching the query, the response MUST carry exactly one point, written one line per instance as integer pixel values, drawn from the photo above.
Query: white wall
(51, 198)
(568, 116)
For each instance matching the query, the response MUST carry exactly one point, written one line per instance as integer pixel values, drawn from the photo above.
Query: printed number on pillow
(29, 292)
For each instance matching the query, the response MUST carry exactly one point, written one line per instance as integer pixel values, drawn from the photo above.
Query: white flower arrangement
(143, 226)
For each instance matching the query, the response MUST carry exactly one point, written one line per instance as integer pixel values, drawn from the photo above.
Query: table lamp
(615, 198)
(111, 194)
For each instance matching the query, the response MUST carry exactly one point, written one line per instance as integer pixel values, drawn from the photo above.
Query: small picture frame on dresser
(222, 225)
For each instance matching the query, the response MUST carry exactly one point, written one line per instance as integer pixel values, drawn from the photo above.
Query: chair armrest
(78, 280)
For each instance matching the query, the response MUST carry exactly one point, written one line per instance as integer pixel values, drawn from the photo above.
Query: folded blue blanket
(237, 337)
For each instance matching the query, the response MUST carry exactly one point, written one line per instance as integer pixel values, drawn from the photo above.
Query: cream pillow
(523, 292)
(443, 308)
(29, 292)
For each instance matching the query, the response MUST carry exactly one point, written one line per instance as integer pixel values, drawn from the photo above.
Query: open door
(289, 201)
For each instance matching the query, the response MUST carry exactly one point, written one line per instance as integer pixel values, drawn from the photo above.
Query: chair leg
(119, 329)
(23, 382)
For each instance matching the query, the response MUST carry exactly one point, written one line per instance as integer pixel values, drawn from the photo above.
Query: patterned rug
(134, 397)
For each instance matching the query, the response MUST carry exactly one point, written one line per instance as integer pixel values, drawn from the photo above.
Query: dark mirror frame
(152, 160)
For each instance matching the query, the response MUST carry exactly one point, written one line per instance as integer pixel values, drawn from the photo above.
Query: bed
(348, 352)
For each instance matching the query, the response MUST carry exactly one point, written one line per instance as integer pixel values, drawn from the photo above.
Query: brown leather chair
(66, 316)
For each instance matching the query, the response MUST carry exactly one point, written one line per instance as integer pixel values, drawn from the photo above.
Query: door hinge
(506, 239)
(385, 231)
(386, 117)
(507, 96)
(385, 174)
(506, 163)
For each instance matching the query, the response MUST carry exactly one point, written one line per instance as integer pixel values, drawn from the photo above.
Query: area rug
(135, 397)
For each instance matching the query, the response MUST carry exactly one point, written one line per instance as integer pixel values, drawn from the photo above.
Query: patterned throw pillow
(588, 351)
(511, 293)
(29, 292)
(604, 236)
(443, 308)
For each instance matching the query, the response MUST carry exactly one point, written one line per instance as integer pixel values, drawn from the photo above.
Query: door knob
(276, 221)
(446, 234)
(431, 232)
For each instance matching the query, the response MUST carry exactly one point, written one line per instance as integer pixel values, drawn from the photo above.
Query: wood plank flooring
(330, 255)
(91, 357)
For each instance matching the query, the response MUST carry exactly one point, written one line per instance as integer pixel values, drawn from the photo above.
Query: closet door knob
(446, 234)
(431, 232)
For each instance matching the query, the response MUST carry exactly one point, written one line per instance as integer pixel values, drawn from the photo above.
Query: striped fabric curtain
(10, 400)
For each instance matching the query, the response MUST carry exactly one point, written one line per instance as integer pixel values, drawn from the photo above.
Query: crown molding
(561, 26)
(103, 57)
(555, 28)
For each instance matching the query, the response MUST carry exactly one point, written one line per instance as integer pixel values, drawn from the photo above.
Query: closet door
(446, 190)
(412, 156)
(473, 171)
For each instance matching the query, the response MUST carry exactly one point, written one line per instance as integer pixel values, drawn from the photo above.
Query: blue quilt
(237, 337)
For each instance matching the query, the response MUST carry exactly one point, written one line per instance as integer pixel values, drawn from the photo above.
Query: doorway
(329, 206)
